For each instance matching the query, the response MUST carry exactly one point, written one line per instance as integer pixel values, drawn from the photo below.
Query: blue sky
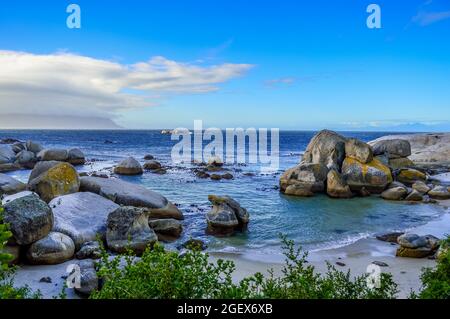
(295, 64)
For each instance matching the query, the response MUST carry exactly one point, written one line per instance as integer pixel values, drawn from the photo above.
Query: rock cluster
(15, 155)
(336, 165)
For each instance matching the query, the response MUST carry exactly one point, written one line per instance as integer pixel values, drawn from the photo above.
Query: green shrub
(436, 281)
(170, 275)
(7, 289)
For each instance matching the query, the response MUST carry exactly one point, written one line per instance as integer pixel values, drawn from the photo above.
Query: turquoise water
(315, 223)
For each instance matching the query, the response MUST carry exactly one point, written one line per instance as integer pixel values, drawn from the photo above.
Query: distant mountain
(22, 121)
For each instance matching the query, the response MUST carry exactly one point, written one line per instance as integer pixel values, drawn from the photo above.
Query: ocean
(315, 223)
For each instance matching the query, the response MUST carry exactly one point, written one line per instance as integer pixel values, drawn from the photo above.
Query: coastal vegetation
(170, 275)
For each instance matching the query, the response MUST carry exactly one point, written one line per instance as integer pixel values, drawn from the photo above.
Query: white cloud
(69, 84)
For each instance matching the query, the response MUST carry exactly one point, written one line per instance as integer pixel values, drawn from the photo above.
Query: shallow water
(315, 223)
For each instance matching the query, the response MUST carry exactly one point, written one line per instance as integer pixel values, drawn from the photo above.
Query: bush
(7, 289)
(436, 281)
(170, 275)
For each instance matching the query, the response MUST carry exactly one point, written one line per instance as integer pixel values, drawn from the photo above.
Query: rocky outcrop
(326, 148)
(373, 176)
(29, 218)
(9, 185)
(304, 180)
(226, 216)
(82, 216)
(336, 185)
(358, 150)
(342, 166)
(128, 228)
(395, 148)
(166, 229)
(127, 194)
(53, 249)
(425, 148)
(415, 246)
(129, 166)
(59, 179)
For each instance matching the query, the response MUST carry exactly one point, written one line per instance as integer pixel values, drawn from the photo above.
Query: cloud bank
(63, 84)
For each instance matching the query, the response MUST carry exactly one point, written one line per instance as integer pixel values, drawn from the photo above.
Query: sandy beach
(356, 257)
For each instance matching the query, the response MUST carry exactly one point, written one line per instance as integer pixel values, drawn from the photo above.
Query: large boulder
(304, 180)
(128, 194)
(26, 159)
(336, 185)
(393, 148)
(226, 216)
(166, 229)
(129, 166)
(61, 179)
(409, 176)
(415, 246)
(76, 157)
(29, 218)
(7, 154)
(326, 148)
(439, 192)
(55, 248)
(82, 216)
(128, 228)
(396, 193)
(9, 185)
(33, 147)
(426, 147)
(53, 155)
(373, 176)
(358, 150)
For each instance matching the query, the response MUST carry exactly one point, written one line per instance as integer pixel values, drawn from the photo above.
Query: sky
(295, 65)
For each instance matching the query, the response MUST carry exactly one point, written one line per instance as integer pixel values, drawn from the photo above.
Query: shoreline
(356, 257)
